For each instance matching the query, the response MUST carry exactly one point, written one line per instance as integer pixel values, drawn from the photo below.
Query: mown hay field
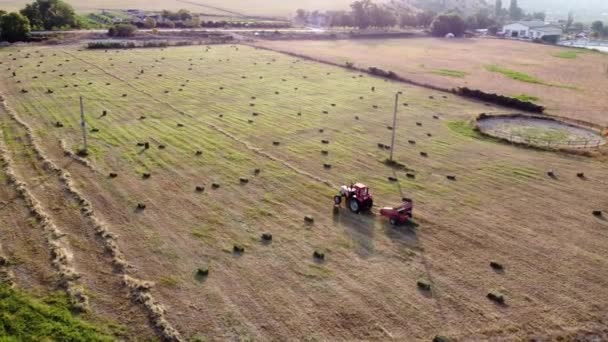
(246, 109)
(569, 82)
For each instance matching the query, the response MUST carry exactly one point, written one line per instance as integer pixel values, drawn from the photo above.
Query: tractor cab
(357, 197)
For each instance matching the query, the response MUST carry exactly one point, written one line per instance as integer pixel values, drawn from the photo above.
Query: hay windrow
(62, 257)
(6, 275)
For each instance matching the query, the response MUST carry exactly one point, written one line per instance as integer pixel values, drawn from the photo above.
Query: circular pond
(540, 131)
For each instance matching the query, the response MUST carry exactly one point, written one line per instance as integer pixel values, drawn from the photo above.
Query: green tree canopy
(122, 30)
(597, 26)
(50, 14)
(15, 27)
(448, 23)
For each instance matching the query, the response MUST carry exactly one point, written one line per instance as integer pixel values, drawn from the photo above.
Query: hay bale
(392, 179)
(431, 97)
(141, 206)
(124, 95)
(423, 285)
(146, 175)
(497, 298)
(104, 113)
(276, 143)
(49, 91)
(58, 124)
(318, 256)
(142, 117)
(255, 114)
(321, 130)
(113, 175)
(581, 175)
(327, 166)
(411, 175)
(452, 178)
(202, 272)
(147, 145)
(161, 147)
(266, 237)
(424, 154)
(215, 186)
(435, 117)
(429, 135)
(244, 180)
(324, 152)
(356, 117)
(412, 142)
(325, 112)
(199, 153)
(419, 124)
(380, 145)
(551, 174)
(238, 249)
(94, 130)
(250, 121)
(390, 128)
(309, 219)
(373, 89)
(326, 142)
(598, 213)
(496, 266)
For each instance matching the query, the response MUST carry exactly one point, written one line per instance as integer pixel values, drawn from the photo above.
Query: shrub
(14, 27)
(122, 30)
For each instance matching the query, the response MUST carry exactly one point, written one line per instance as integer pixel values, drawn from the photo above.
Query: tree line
(364, 14)
(39, 15)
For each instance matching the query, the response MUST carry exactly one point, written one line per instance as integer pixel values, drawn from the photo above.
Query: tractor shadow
(404, 235)
(359, 228)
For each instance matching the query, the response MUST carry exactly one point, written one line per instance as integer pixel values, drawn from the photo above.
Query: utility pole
(394, 125)
(84, 127)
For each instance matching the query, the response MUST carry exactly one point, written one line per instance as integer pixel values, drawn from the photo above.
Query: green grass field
(309, 128)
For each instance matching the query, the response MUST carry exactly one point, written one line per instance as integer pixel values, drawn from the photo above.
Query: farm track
(96, 282)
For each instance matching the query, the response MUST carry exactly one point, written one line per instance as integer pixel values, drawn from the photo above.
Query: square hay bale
(392, 179)
(326, 142)
(266, 237)
(423, 285)
(202, 272)
(309, 219)
(198, 153)
(424, 154)
(215, 186)
(452, 178)
(496, 266)
(146, 175)
(327, 166)
(113, 175)
(320, 256)
(238, 249)
(244, 180)
(324, 152)
(497, 298)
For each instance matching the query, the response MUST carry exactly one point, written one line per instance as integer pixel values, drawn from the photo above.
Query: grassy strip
(464, 128)
(450, 73)
(522, 77)
(23, 318)
(568, 54)
(526, 98)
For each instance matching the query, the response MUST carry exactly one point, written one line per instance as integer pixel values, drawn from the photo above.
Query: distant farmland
(571, 83)
(254, 7)
(195, 151)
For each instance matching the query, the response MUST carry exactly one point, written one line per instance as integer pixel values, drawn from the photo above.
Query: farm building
(532, 30)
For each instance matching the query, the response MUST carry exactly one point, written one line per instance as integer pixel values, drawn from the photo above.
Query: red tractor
(399, 215)
(357, 197)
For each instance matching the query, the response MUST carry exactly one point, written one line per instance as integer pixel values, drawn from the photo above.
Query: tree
(425, 18)
(50, 14)
(448, 23)
(149, 23)
(539, 16)
(193, 22)
(302, 16)
(122, 30)
(578, 26)
(361, 13)
(570, 20)
(15, 27)
(597, 26)
(407, 19)
(515, 12)
(498, 9)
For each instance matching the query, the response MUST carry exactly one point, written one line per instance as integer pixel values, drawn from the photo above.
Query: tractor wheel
(354, 205)
(337, 199)
(367, 206)
(394, 221)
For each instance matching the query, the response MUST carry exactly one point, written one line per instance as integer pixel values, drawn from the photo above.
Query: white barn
(531, 30)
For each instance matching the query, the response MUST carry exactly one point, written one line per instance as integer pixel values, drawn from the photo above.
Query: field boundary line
(247, 145)
(140, 290)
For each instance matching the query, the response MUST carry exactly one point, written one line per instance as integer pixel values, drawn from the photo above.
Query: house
(532, 30)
